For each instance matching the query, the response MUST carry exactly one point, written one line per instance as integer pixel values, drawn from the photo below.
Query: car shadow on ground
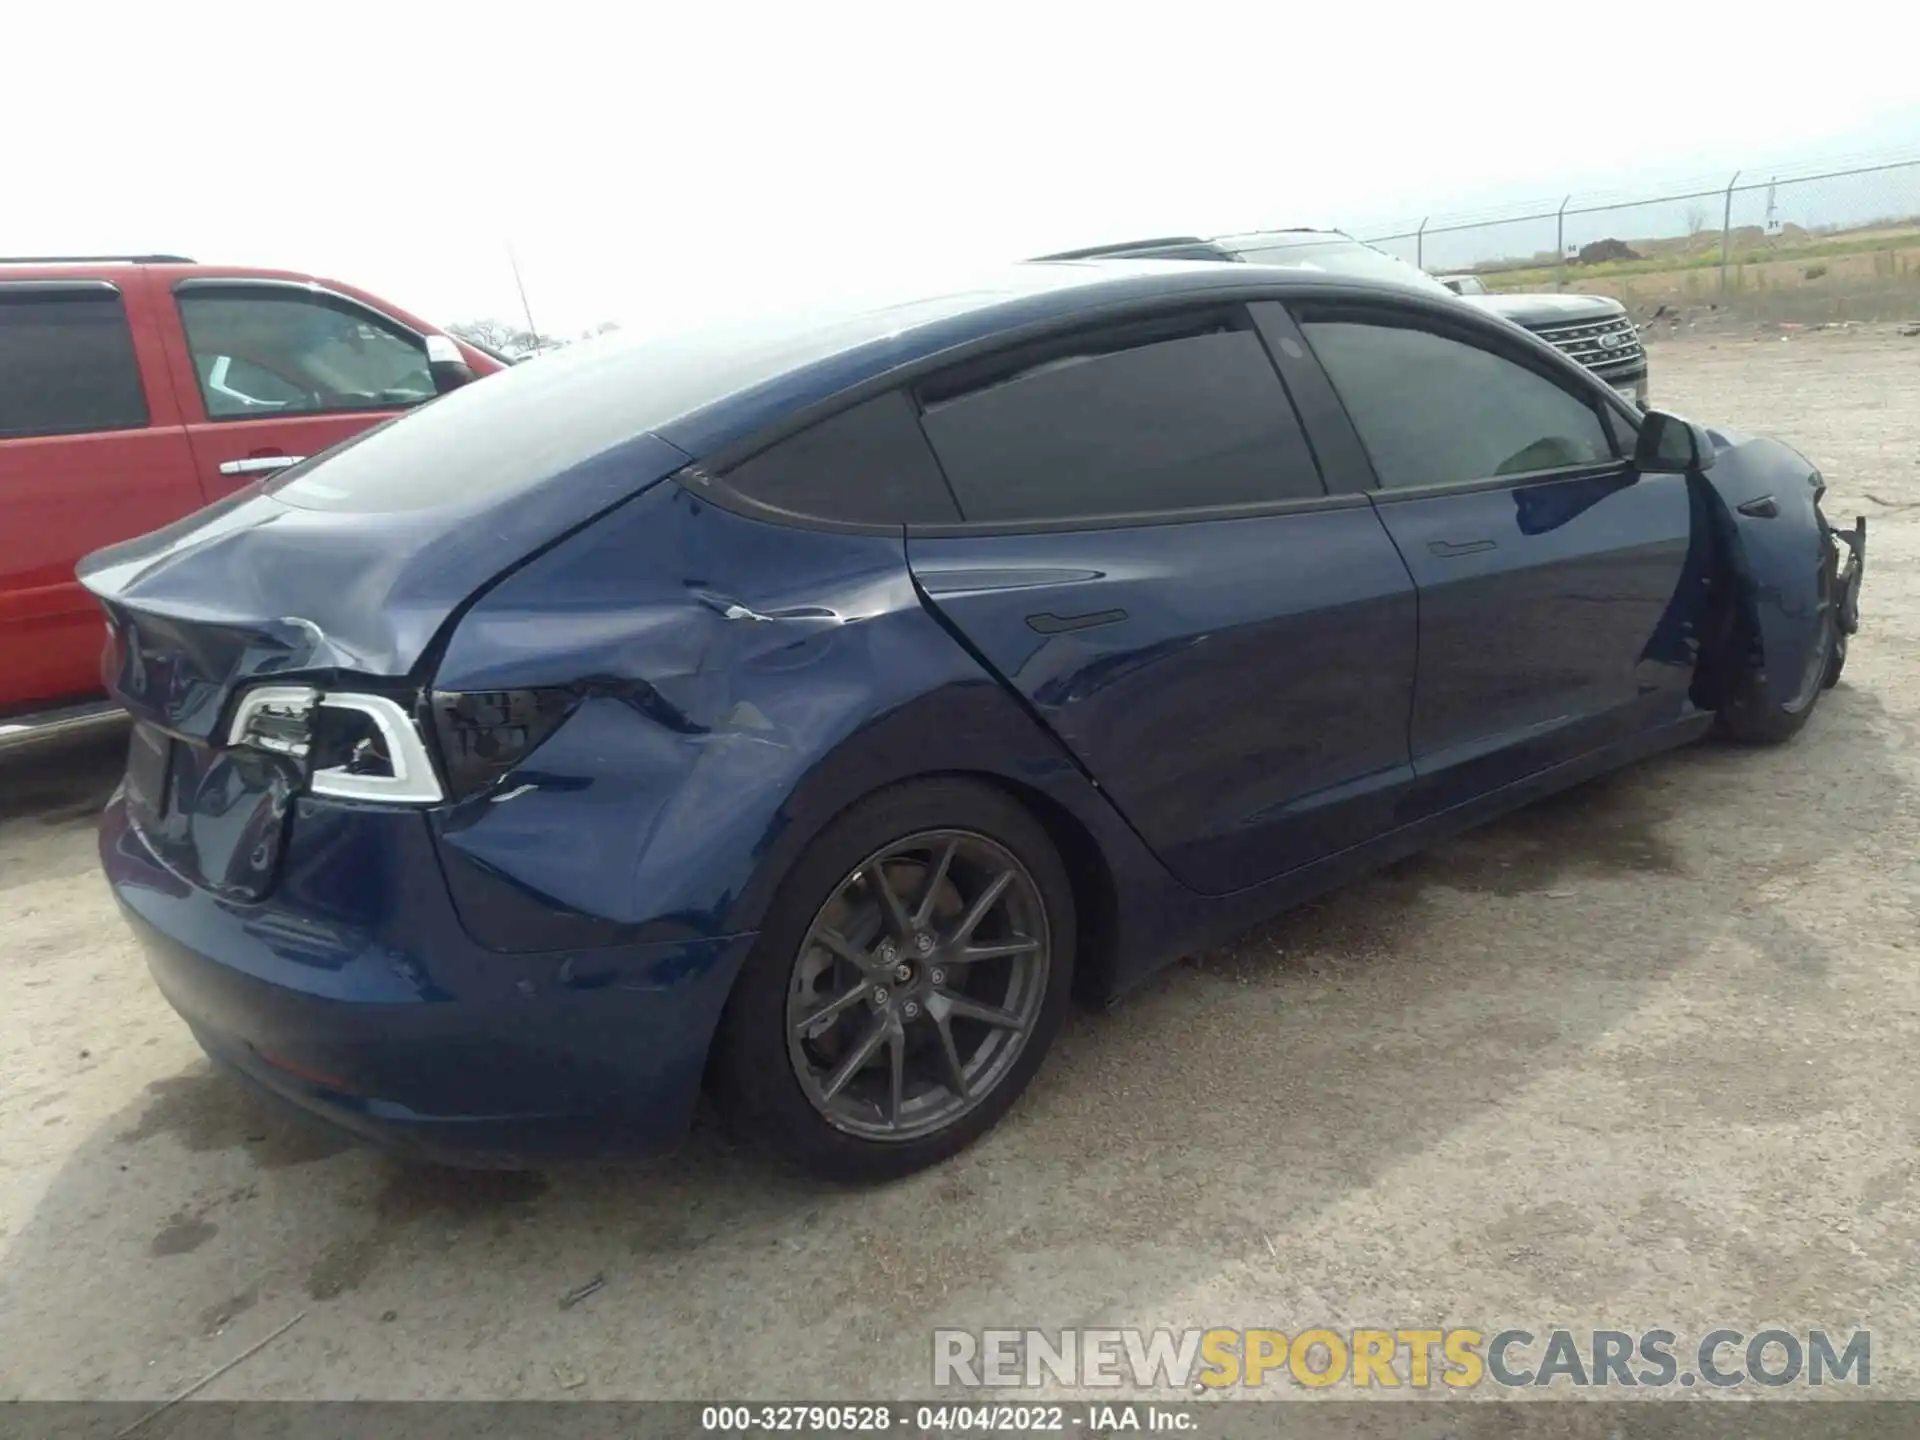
(58, 781)
(1244, 1089)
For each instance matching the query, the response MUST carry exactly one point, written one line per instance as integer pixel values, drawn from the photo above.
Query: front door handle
(1448, 550)
(259, 464)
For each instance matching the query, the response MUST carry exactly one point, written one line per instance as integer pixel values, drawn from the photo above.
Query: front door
(1150, 559)
(277, 372)
(1545, 564)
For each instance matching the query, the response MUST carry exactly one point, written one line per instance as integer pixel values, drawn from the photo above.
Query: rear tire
(934, 1078)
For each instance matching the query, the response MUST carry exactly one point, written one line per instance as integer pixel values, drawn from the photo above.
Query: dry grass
(1902, 246)
(1867, 274)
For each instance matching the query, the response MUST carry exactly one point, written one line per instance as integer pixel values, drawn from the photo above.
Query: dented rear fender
(740, 691)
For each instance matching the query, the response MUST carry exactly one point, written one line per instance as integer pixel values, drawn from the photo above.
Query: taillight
(353, 746)
(483, 734)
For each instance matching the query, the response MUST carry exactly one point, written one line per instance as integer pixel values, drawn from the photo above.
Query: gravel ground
(1640, 1055)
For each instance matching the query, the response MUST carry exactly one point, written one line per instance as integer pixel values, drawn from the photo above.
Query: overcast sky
(642, 160)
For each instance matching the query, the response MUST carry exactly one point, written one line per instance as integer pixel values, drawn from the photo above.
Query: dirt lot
(1642, 1055)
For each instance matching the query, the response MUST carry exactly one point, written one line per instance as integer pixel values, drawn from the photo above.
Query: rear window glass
(67, 363)
(516, 429)
(867, 465)
(1186, 423)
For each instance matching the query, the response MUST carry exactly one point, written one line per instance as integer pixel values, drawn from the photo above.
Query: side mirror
(446, 365)
(1669, 445)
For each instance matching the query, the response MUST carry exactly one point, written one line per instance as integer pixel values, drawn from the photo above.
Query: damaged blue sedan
(807, 710)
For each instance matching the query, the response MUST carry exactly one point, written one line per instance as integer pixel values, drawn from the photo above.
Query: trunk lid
(347, 565)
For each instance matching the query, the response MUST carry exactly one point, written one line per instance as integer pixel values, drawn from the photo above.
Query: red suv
(136, 389)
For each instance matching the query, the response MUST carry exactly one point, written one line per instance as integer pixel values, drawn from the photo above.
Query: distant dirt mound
(1757, 237)
(1603, 250)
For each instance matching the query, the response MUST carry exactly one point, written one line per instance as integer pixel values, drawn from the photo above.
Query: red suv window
(260, 351)
(66, 361)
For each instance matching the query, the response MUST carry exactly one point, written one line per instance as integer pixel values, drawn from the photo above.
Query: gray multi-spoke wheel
(916, 985)
(911, 970)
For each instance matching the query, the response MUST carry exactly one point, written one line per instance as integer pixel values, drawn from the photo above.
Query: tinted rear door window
(1181, 423)
(868, 465)
(67, 363)
(1433, 410)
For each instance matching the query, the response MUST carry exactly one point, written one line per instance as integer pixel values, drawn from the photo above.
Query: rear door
(1549, 571)
(269, 372)
(91, 452)
(1147, 554)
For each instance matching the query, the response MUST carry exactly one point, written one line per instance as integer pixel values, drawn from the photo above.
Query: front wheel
(1836, 662)
(908, 979)
(1748, 716)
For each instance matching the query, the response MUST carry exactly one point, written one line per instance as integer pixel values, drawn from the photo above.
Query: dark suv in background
(1592, 329)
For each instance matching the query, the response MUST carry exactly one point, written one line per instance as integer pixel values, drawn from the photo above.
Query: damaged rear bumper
(355, 996)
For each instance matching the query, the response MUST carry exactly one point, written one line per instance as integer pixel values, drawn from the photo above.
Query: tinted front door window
(1547, 601)
(1184, 423)
(259, 351)
(1432, 410)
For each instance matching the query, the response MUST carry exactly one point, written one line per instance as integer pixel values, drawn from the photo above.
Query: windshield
(1337, 255)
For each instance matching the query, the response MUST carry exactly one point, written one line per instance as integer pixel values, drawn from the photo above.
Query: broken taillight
(353, 746)
(484, 734)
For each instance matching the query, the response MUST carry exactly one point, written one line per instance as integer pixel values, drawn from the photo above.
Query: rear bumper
(392, 1025)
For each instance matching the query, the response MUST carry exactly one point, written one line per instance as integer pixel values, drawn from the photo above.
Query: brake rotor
(822, 975)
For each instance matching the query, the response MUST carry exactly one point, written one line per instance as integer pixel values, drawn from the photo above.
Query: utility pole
(1560, 244)
(520, 285)
(1726, 230)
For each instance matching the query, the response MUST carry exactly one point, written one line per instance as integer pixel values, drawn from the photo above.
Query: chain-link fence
(1842, 245)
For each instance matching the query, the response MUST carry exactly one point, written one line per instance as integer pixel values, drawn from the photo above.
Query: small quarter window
(868, 465)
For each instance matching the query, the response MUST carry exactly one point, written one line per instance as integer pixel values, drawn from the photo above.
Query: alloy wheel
(917, 985)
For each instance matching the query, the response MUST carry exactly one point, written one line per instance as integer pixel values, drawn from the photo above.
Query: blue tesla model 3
(807, 710)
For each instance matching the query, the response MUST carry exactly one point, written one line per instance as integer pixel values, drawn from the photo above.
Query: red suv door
(269, 372)
(91, 451)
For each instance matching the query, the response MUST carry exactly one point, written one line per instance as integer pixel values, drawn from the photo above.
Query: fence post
(1726, 230)
(1560, 246)
(1420, 244)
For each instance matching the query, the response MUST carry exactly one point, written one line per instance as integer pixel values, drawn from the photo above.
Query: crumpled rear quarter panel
(750, 680)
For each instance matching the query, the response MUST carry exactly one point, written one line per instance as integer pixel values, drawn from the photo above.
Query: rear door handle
(1448, 550)
(259, 464)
